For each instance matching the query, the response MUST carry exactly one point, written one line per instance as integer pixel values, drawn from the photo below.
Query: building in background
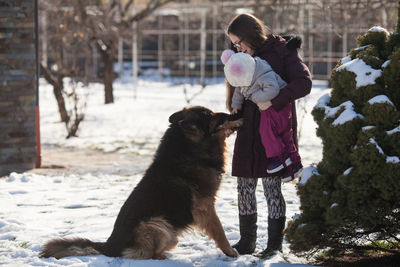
(18, 87)
(185, 38)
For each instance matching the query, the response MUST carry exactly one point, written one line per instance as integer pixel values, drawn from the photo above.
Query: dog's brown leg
(153, 238)
(206, 218)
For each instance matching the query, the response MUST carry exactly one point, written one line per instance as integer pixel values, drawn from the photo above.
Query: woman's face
(240, 45)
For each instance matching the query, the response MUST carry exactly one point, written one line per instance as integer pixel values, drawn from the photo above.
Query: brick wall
(17, 85)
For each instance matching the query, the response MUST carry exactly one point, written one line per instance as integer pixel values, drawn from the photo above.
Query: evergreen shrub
(351, 199)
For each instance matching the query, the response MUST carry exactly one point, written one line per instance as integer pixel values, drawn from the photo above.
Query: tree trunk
(75, 125)
(57, 83)
(108, 80)
(107, 57)
(61, 103)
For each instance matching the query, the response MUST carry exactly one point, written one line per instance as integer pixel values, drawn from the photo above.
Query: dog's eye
(189, 125)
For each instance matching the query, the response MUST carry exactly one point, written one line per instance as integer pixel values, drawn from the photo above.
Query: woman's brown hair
(253, 32)
(249, 29)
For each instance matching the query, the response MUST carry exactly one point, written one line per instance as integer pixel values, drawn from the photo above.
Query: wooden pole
(214, 43)
(120, 55)
(43, 21)
(94, 60)
(160, 47)
(203, 47)
(186, 47)
(181, 55)
(120, 42)
(330, 46)
(135, 65)
(344, 35)
(301, 22)
(310, 42)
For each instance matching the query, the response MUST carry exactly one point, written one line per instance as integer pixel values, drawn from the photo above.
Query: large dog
(176, 193)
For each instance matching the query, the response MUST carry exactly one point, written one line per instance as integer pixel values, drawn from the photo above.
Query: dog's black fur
(177, 192)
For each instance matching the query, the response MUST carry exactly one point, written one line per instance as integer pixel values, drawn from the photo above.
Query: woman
(249, 35)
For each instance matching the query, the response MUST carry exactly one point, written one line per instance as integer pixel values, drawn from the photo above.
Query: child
(254, 79)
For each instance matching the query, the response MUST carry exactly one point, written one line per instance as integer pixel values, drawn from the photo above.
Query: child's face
(241, 46)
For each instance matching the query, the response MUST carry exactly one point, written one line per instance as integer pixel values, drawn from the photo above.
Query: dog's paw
(231, 252)
(238, 123)
(233, 125)
(159, 257)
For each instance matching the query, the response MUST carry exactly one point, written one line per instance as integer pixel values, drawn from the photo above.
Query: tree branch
(48, 75)
(150, 7)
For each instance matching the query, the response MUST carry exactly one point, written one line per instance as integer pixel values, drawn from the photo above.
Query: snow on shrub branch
(308, 172)
(380, 99)
(365, 74)
(395, 130)
(348, 113)
(389, 159)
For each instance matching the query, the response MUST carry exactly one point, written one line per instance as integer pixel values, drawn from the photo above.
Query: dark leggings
(247, 202)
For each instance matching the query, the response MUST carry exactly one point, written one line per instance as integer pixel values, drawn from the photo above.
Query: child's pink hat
(239, 67)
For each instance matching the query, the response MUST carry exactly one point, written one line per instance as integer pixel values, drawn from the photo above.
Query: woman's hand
(264, 105)
(234, 111)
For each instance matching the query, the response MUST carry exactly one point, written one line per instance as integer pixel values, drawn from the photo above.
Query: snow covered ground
(36, 207)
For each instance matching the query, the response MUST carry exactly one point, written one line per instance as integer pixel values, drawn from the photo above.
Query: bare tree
(77, 107)
(107, 21)
(67, 47)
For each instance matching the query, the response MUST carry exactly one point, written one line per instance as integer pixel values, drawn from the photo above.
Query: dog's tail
(64, 247)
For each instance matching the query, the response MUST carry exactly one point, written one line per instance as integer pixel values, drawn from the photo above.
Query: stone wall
(17, 86)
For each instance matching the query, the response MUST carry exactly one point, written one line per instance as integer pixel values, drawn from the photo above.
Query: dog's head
(199, 122)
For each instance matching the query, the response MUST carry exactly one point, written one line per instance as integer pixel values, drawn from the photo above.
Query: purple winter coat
(249, 159)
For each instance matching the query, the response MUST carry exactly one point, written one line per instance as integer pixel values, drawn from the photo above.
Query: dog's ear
(176, 117)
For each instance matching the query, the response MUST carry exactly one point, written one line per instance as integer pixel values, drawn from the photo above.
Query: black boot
(248, 234)
(275, 237)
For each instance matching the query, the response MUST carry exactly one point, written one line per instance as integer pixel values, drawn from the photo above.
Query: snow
(346, 172)
(392, 159)
(37, 207)
(296, 217)
(367, 128)
(348, 113)
(365, 74)
(323, 101)
(373, 141)
(379, 29)
(389, 159)
(386, 63)
(345, 60)
(310, 145)
(361, 47)
(395, 130)
(381, 99)
(308, 172)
